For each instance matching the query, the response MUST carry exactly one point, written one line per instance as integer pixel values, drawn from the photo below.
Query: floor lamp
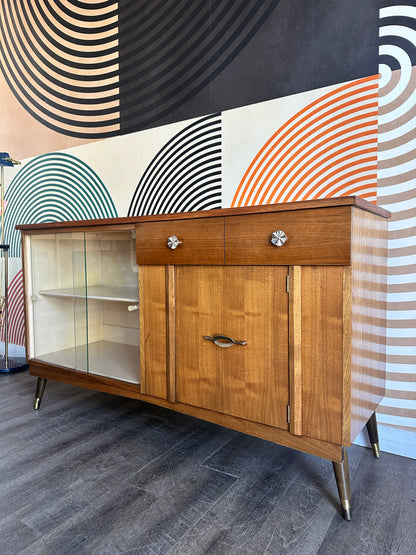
(17, 363)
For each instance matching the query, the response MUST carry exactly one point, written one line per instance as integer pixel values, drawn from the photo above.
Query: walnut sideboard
(265, 319)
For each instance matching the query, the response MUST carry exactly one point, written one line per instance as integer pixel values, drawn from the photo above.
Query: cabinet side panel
(369, 295)
(153, 355)
(322, 352)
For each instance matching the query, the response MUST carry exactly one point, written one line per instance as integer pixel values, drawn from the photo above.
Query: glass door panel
(52, 299)
(112, 305)
(80, 299)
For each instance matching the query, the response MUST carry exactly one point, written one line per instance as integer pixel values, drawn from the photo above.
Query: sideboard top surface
(351, 201)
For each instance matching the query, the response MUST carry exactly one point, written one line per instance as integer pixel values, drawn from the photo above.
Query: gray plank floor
(99, 474)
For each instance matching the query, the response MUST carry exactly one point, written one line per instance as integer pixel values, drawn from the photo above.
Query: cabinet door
(244, 303)
(84, 287)
(57, 318)
(112, 304)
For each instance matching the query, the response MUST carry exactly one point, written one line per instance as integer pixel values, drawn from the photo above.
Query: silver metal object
(132, 307)
(173, 242)
(342, 477)
(40, 389)
(224, 341)
(278, 238)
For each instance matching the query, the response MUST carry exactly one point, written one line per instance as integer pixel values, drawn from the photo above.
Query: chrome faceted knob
(278, 238)
(173, 242)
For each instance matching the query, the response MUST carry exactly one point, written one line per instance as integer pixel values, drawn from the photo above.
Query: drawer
(317, 236)
(201, 241)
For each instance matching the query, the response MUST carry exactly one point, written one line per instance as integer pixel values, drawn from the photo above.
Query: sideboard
(265, 319)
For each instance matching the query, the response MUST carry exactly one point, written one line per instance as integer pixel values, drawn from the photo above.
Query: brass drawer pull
(278, 238)
(173, 242)
(224, 341)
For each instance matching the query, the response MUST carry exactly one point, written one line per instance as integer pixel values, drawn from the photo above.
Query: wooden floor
(98, 474)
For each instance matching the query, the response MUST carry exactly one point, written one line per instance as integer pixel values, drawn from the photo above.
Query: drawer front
(318, 236)
(200, 242)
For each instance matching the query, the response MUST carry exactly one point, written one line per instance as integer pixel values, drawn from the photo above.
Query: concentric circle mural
(329, 148)
(397, 174)
(171, 51)
(93, 69)
(185, 175)
(61, 62)
(54, 188)
(16, 312)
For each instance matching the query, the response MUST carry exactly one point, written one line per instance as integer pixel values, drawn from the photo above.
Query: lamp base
(13, 364)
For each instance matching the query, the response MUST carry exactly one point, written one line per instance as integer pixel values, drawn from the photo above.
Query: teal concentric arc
(54, 187)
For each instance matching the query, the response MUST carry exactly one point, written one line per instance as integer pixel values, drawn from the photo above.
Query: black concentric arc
(170, 51)
(185, 175)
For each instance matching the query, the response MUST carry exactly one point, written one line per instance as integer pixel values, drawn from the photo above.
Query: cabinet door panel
(57, 300)
(322, 352)
(247, 304)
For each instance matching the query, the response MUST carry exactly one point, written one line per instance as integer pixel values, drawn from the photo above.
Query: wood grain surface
(246, 304)
(322, 352)
(153, 331)
(202, 242)
(317, 236)
(369, 314)
(285, 206)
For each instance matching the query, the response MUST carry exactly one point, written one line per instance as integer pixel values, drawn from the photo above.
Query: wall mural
(396, 192)
(16, 311)
(54, 187)
(185, 175)
(90, 70)
(62, 64)
(329, 148)
(127, 108)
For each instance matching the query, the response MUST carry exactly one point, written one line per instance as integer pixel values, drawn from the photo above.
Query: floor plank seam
(203, 465)
(202, 517)
(159, 457)
(70, 482)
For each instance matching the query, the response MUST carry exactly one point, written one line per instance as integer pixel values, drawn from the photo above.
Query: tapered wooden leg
(40, 388)
(373, 435)
(342, 476)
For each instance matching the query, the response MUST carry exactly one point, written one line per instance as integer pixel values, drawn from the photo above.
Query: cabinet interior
(85, 299)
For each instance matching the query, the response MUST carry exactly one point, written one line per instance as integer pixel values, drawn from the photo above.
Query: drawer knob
(132, 307)
(224, 341)
(278, 238)
(173, 242)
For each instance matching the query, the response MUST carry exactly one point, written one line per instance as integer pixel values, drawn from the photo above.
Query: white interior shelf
(106, 358)
(99, 292)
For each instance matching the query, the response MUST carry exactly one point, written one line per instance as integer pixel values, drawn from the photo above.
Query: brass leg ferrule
(373, 435)
(342, 477)
(376, 449)
(40, 389)
(346, 509)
